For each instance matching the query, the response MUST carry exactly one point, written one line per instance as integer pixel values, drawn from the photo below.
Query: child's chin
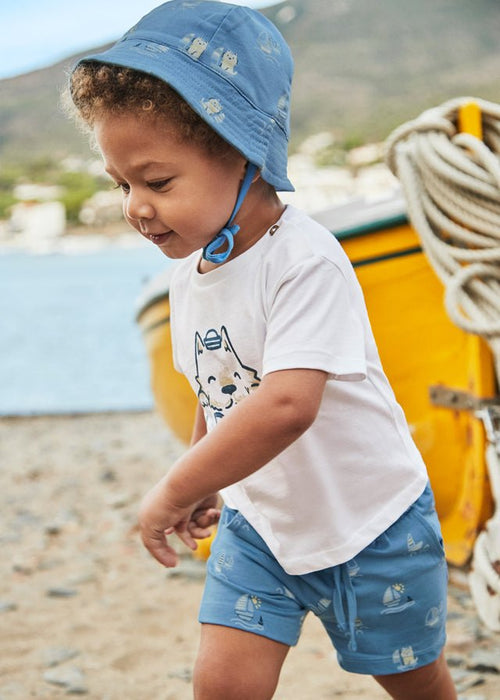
(174, 254)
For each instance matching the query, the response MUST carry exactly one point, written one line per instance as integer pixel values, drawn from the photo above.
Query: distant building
(40, 221)
(317, 189)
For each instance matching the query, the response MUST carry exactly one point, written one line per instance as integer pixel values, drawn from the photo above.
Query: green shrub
(6, 201)
(78, 187)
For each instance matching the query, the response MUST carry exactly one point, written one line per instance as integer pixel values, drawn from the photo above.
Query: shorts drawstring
(344, 600)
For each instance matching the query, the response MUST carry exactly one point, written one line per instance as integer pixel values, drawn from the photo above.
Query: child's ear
(244, 170)
(256, 176)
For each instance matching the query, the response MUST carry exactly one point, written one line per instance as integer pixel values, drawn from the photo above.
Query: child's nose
(137, 206)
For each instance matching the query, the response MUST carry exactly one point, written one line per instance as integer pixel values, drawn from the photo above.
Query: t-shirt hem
(317, 561)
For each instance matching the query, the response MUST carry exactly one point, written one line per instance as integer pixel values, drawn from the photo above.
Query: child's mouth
(158, 238)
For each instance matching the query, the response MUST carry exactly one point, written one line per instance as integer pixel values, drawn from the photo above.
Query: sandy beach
(84, 610)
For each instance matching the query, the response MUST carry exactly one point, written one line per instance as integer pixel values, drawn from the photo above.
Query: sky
(36, 33)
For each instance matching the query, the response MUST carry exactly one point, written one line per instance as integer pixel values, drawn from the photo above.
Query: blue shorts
(384, 610)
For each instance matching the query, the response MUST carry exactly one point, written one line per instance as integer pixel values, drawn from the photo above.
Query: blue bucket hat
(229, 63)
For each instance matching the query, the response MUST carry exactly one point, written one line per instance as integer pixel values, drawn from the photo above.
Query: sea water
(68, 337)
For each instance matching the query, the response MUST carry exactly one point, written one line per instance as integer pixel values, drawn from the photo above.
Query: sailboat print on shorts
(394, 599)
(413, 547)
(224, 562)
(434, 615)
(247, 612)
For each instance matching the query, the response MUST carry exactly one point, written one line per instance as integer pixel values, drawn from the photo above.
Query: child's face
(174, 193)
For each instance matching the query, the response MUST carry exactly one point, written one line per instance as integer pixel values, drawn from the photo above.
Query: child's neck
(260, 210)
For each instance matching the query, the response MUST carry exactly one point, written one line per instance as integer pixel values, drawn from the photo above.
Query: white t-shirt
(293, 301)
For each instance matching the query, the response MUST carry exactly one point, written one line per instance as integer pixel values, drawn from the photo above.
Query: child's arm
(283, 407)
(199, 426)
(207, 512)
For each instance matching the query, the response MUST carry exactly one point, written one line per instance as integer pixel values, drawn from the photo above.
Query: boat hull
(422, 351)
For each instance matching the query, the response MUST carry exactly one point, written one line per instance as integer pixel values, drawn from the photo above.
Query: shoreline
(76, 413)
(72, 242)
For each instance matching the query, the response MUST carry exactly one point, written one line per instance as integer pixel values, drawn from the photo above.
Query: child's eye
(158, 185)
(123, 187)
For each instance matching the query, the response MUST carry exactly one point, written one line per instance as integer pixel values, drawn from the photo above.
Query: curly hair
(97, 88)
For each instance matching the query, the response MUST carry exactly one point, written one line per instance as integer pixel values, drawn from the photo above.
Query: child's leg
(426, 683)
(236, 665)
(249, 614)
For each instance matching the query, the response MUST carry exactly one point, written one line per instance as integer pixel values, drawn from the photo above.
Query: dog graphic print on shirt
(222, 378)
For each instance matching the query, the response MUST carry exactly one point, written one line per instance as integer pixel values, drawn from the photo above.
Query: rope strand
(451, 182)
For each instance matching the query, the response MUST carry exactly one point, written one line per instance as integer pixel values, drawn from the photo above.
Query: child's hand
(159, 517)
(205, 516)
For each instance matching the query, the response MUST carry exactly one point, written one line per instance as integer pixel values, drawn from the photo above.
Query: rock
(52, 529)
(108, 475)
(119, 500)
(63, 520)
(484, 661)
(456, 660)
(184, 674)
(58, 655)
(7, 606)
(61, 592)
(70, 677)
(465, 679)
(26, 518)
(24, 566)
(47, 564)
(82, 578)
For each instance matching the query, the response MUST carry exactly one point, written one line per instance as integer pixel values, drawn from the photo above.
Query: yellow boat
(438, 371)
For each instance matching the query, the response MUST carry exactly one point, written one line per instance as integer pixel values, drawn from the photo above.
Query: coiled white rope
(484, 578)
(451, 182)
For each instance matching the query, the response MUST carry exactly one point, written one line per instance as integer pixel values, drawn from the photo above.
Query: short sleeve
(314, 323)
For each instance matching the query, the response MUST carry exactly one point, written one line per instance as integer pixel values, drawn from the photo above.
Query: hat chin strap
(226, 235)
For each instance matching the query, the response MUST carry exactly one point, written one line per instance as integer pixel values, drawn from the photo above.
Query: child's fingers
(200, 533)
(185, 536)
(205, 518)
(201, 524)
(157, 545)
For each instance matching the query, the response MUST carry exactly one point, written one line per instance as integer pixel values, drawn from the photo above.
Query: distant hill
(361, 68)
(31, 121)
